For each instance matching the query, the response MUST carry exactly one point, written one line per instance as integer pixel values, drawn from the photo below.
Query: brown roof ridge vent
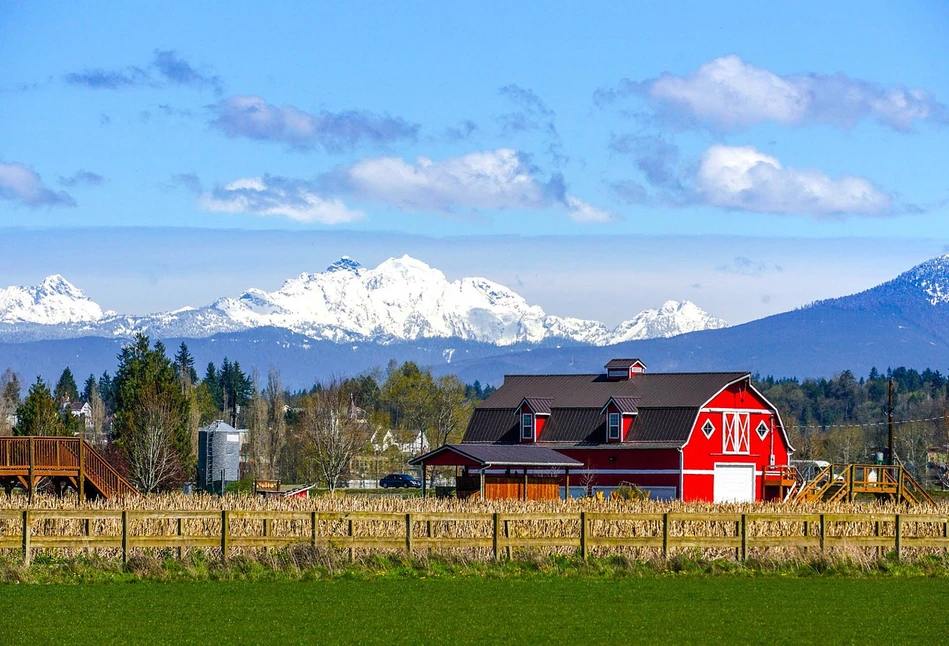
(623, 369)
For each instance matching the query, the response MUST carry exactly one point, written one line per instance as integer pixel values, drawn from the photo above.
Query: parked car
(398, 480)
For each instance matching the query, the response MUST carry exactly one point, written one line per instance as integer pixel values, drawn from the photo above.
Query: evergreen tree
(66, 389)
(107, 393)
(236, 390)
(39, 414)
(213, 383)
(151, 416)
(184, 365)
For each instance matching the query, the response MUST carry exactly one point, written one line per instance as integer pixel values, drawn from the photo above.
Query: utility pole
(889, 424)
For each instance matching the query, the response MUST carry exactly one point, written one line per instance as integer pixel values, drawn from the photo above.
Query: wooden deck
(65, 461)
(842, 482)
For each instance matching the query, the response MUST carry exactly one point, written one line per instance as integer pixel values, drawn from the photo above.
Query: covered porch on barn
(501, 471)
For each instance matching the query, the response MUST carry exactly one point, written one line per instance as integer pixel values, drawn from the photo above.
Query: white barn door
(734, 483)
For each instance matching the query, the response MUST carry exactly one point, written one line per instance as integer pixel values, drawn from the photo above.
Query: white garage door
(734, 483)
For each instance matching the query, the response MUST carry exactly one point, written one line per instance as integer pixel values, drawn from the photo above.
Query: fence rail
(30, 530)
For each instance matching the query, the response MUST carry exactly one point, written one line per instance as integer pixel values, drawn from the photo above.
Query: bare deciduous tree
(331, 436)
(9, 400)
(152, 462)
(276, 421)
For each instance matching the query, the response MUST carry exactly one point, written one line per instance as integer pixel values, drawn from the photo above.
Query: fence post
(898, 538)
(823, 532)
(496, 537)
(352, 537)
(584, 528)
(665, 535)
(408, 534)
(313, 522)
(225, 530)
(125, 537)
(181, 544)
(743, 550)
(26, 538)
(507, 534)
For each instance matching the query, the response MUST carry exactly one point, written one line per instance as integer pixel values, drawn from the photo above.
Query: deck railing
(35, 457)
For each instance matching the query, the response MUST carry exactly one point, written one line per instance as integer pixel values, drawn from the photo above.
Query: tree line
(146, 416)
(844, 418)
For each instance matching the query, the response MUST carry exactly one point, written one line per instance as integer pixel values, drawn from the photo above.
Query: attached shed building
(690, 436)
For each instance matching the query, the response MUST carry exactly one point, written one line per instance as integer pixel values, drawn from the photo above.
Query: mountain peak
(54, 301)
(345, 263)
(932, 277)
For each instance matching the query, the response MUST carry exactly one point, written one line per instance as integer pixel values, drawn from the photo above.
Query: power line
(825, 427)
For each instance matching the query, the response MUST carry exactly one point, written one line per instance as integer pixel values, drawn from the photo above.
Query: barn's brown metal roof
(540, 405)
(666, 404)
(622, 363)
(593, 391)
(505, 455)
(625, 404)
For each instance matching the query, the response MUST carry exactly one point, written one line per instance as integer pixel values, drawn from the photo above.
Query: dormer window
(614, 426)
(532, 413)
(624, 369)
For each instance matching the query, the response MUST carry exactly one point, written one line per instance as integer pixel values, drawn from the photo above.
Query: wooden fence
(494, 533)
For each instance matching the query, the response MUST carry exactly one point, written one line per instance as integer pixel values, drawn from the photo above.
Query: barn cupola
(623, 369)
(620, 412)
(532, 415)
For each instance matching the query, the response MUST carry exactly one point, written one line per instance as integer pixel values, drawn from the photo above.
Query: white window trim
(708, 435)
(736, 433)
(611, 426)
(762, 435)
(528, 427)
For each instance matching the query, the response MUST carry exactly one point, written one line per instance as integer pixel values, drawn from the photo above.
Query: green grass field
(667, 609)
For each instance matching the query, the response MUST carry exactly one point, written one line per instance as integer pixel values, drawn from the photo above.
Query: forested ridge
(844, 419)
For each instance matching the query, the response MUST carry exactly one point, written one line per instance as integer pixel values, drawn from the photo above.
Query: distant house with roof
(82, 410)
(688, 436)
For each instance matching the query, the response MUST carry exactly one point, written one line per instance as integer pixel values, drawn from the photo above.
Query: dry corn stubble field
(547, 526)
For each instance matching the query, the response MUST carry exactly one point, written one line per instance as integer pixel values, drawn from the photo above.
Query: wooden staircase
(66, 461)
(841, 482)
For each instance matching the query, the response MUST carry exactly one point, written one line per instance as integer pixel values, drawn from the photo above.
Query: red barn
(688, 436)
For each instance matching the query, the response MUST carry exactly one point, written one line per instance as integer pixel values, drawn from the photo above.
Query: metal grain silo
(219, 455)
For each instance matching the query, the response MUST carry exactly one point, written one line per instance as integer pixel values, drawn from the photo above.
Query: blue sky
(779, 143)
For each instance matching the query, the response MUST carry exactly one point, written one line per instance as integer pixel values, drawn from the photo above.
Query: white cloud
(584, 213)
(731, 94)
(742, 178)
(19, 183)
(497, 179)
(278, 196)
(489, 180)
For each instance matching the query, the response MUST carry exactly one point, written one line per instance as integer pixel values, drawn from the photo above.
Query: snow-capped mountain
(930, 277)
(401, 299)
(55, 301)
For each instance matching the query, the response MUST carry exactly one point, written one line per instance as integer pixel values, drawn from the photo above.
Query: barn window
(762, 430)
(736, 432)
(527, 426)
(708, 428)
(614, 426)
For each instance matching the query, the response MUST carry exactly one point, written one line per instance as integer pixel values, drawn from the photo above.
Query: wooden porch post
(482, 483)
(423, 479)
(81, 479)
(32, 482)
(566, 491)
(525, 483)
